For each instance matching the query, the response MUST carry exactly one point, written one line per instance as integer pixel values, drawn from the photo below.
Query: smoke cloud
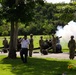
(67, 31)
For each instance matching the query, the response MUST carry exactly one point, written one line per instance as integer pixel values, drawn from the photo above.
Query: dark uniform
(54, 43)
(5, 43)
(41, 42)
(31, 46)
(71, 45)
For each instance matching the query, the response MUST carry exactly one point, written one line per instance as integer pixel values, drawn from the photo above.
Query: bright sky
(58, 1)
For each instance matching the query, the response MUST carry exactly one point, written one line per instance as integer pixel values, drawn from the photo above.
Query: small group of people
(44, 45)
(54, 43)
(24, 45)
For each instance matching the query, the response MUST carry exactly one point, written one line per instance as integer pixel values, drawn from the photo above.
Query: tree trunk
(16, 34)
(12, 49)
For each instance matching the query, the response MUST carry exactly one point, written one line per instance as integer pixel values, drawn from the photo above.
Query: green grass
(35, 66)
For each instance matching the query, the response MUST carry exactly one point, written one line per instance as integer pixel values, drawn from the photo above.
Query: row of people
(25, 43)
(6, 45)
(31, 45)
(28, 44)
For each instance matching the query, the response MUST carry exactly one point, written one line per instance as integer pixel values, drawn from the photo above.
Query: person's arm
(60, 37)
(3, 42)
(28, 41)
(21, 40)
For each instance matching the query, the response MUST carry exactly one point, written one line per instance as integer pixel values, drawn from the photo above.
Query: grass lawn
(36, 66)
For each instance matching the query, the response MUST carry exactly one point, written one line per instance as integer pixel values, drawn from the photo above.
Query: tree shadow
(36, 66)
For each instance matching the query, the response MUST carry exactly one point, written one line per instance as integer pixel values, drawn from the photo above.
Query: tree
(72, 0)
(15, 11)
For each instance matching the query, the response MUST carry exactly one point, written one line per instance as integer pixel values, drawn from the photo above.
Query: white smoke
(67, 31)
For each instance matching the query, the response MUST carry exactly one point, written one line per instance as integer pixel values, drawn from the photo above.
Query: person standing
(18, 44)
(71, 46)
(58, 45)
(31, 46)
(54, 43)
(41, 42)
(24, 49)
(5, 43)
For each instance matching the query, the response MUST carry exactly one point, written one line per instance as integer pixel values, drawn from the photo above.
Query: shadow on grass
(37, 66)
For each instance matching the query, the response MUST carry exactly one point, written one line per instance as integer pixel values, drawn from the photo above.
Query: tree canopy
(15, 11)
(37, 19)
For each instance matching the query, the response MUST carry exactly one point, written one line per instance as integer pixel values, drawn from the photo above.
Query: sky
(58, 1)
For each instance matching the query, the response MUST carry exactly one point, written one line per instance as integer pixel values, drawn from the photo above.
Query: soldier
(71, 45)
(31, 45)
(54, 43)
(18, 44)
(41, 42)
(5, 43)
(58, 39)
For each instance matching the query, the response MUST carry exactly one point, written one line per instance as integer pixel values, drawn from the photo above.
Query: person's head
(72, 37)
(52, 35)
(31, 35)
(57, 37)
(25, 36)
(5, 38)
(41, 37)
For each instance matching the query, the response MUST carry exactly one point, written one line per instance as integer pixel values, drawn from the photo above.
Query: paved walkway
(50, 55)
(54, 55)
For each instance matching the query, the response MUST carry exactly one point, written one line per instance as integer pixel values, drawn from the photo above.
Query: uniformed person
(71, 45)
(54, 43)
(31, 45)
(5, 43)
(41, 42)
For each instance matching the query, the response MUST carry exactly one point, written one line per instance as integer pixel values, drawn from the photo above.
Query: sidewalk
(50, 55)
(53, 55)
